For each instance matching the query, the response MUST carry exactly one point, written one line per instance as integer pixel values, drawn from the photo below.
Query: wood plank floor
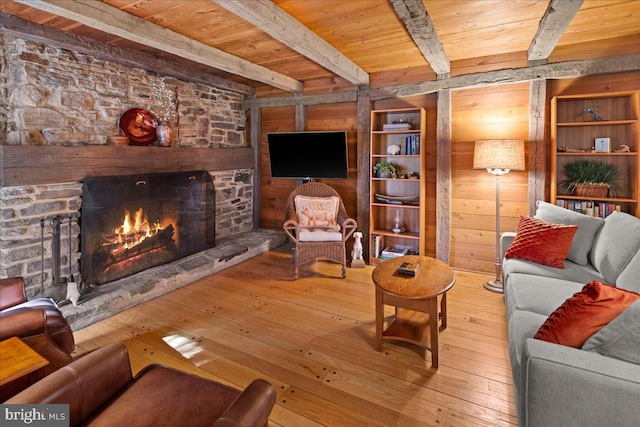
(313, 339)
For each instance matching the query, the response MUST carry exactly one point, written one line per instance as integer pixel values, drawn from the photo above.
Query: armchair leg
(344, 271)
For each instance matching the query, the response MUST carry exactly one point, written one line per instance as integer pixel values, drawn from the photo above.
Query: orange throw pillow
(542, 242)
(585, 313)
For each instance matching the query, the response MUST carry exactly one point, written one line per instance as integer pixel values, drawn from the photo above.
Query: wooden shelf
(591, 153)
(600, 123)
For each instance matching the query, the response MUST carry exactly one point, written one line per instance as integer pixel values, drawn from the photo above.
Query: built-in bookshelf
(397, 206)
(601, 127)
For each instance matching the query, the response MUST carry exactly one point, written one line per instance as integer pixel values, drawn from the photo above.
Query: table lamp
(498, 157)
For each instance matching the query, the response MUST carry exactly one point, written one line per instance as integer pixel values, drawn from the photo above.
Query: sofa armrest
(251, 408)
(85, 384)
(506, 239)
(569, 387)
(12, 292)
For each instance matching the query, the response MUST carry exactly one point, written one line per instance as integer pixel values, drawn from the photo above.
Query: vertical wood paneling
(501, 111)
(486, 113)
(274, 192)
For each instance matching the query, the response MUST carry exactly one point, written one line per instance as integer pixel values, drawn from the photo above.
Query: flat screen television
(308, 155)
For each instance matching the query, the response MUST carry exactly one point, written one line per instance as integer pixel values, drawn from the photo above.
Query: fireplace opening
(135, 222)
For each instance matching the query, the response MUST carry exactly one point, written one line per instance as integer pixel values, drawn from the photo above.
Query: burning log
(161, 240)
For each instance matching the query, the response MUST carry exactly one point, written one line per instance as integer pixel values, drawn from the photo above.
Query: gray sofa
(597, 385)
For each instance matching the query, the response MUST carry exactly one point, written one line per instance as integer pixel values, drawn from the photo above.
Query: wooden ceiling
(286, 44)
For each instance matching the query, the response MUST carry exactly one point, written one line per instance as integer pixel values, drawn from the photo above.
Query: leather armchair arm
(251, 408)
(22, 324)
(85, 384)
(12, 292)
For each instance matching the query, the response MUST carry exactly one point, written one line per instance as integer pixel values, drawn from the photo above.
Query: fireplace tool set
(73, 289)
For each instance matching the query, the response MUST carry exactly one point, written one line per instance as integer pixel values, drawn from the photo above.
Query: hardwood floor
(314, 340)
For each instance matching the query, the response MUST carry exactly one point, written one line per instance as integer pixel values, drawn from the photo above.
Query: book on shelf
(408, 269)
(397, 200)
(411, 144)
(396, 126)
(590, 207)
(394, 252)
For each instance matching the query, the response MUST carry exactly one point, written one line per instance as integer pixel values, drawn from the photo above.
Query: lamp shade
(499, 154)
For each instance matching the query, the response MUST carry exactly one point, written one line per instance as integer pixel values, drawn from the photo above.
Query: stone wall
(53, 96)
(58, 97)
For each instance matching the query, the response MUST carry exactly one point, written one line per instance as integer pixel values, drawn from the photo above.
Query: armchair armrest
(12, 292)
(22, 324)
(571, 387)
(251, 408)
(85, 384)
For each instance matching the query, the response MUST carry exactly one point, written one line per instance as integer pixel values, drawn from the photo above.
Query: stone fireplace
(58, 107)
(134, 222)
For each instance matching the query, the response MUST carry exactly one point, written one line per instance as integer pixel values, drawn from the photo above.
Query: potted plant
(385, 170)
(588, 178)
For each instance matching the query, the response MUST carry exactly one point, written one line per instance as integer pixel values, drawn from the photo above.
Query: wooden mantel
(32, 165)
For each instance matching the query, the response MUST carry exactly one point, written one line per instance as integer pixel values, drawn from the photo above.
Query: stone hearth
(107, 300)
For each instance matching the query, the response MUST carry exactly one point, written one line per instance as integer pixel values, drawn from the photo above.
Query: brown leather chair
(101, 391)
(38, 322)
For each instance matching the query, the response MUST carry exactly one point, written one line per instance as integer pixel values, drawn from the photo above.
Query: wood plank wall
(496, 112)
(274, 192)
(500, 111)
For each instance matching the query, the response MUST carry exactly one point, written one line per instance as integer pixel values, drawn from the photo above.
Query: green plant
(385, 168)
(592, 172)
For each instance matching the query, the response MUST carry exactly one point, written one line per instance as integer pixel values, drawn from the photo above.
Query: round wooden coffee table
(412, 297)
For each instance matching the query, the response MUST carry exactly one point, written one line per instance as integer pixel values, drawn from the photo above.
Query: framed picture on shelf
(603, 145)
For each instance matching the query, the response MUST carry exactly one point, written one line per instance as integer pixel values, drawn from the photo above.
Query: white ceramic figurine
(356, 254)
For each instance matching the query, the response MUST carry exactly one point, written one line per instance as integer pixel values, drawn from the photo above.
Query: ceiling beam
(18, 27)
(274, 21)
(111, 20)
(560, 70)
(553, 24)
(422, 30)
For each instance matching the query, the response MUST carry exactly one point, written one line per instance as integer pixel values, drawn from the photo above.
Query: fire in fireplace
(131, 223)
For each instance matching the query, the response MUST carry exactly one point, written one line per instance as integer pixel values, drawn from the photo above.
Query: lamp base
(494, 286)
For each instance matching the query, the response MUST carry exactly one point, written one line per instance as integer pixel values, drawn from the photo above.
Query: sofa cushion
(616, 243)
(585, 313)
(620, 338)
(542, 242)
(537, 294)
(629, 279)
(588, 227)
(572, 271)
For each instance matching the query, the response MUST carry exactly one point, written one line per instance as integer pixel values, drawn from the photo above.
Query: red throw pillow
(585, 313)
(542, 242)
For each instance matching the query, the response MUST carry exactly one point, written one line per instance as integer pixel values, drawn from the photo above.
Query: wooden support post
(537, 156)
(364, 166)
(443, 177)
(255, 119)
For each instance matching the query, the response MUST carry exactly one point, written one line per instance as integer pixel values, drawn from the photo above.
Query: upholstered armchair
(101, 391)
(38, 322)
(317, 222)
